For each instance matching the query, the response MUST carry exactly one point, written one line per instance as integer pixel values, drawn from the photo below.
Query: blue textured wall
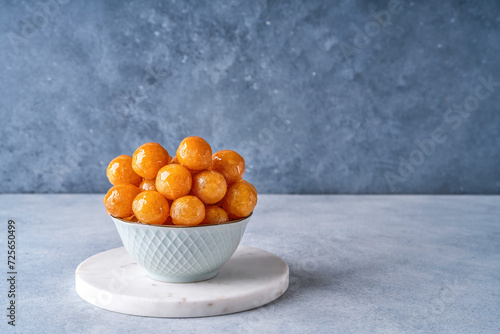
(318, 96)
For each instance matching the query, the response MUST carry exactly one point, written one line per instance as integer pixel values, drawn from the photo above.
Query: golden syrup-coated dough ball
(194, 153)
(230, 164)
(147, 184)
(173, 181)
(118, 200)
(251, 185)
(187, 210)
(215, 215)
(151, 207)
(240, 200)
(148, 159)
(209, 186)
(120, 171)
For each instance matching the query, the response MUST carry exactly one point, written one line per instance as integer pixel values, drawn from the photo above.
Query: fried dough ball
(240, 200)
(187, 210)
(147, 184)
(148, 159)
(194, 153)
(173, 181)
(151, 207)
(215, 215)
(118, 200)
(189, 188)
(251, 185)
(209, 186)
(120, 171)
(230, 164)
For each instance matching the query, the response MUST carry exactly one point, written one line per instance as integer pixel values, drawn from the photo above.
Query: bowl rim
(182, 226)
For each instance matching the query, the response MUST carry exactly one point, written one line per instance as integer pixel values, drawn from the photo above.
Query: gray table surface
(358, 264)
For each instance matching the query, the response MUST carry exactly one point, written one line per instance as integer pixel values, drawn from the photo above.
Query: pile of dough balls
(194, 187)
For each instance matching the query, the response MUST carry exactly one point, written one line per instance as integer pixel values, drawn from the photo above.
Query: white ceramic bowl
(181, 253)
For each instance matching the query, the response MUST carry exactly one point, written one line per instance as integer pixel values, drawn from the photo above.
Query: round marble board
(113, 281)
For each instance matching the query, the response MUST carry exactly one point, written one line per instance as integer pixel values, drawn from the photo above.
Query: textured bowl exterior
(177, 254)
